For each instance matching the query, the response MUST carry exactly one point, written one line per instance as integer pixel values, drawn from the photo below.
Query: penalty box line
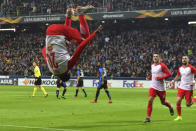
(31, 127)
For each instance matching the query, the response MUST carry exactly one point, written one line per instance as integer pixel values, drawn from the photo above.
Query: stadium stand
(31, 7)
(125, 51)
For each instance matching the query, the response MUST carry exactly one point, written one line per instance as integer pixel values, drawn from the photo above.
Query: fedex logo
(135, 84)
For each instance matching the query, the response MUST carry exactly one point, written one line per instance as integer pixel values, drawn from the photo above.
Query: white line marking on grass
(31, 127)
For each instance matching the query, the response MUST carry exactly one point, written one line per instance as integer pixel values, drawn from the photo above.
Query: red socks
(168, 104)
(84, 29)
(149, 110)
(178, 107)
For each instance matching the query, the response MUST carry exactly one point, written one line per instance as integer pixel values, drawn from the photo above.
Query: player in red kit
(58, 38)
(186, 72)
(159, 73)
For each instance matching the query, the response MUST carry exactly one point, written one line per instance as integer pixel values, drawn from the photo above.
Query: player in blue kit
(102, 83)
(80, 84)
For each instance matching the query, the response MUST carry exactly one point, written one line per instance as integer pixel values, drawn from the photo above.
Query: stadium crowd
(125, 53)
(33, 7)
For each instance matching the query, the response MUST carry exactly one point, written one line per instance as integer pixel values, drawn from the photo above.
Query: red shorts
(188, 94)
(153, 93)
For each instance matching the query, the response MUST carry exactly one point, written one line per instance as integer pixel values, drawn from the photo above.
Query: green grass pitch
(19, 112)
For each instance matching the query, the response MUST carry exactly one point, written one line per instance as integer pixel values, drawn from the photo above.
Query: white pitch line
(30, 127)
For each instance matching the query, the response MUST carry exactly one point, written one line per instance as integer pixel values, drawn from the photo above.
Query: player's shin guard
(78, 51)
(178, 107)
(108, 94)
(84, 29)
(57, 93)
(64, 91)
(149, 110)
(76, 92)
(97, 94)
(34, 91)
(43, 90)
(84, 92)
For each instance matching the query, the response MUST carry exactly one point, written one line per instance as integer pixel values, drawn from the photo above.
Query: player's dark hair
(156, 53)
(65, 77)
(160, 56)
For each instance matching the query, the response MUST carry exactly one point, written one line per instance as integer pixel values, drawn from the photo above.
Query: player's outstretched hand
(99, 28)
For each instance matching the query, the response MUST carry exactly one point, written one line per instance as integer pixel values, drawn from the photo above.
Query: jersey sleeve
(100, 73)
(44, 54)
(193, 70)
(149, 76)
(178, 73)
(78, 73)
(166, 71)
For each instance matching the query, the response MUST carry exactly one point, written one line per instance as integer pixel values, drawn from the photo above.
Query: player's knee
(150, 101)
(178, 101)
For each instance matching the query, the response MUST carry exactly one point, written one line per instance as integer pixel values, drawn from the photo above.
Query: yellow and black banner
(103, 16)
(10, 20)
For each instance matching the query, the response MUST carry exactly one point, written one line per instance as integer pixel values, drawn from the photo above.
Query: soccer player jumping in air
(159, 73)
(186, 72)
(58, 36)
